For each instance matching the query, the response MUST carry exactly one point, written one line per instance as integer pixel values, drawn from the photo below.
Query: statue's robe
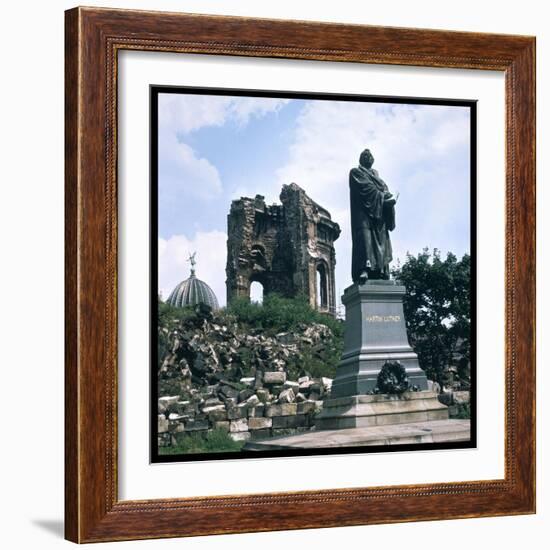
(371, 221)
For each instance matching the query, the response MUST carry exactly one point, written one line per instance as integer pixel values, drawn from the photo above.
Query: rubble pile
(214, 374)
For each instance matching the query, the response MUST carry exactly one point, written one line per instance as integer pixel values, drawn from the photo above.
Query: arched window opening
(322, 288)
(256, 292)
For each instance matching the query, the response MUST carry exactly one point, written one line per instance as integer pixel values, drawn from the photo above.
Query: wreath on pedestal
(392, 378)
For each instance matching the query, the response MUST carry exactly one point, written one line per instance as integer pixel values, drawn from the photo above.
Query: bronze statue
(372, 218)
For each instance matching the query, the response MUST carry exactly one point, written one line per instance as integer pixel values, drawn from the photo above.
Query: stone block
(216, 414)
(176, 427)
(259, 423)
(260, 434)
(442, 414)
(258, 410)
(228, 384)
(461, 397)
(234, 413)
(318, 389)
(245, 394)
(240, 436)
(287, 396)
(285, 409)
(263, 395)
(306, 407)
(212, 402)
(185, 407)
(228, 392)
(221, 425)
(166, 404)
(294, 386)
(381, 410)
(209, 409)
(162, 424)
(306, 385)
(274, 377)
(249, 381)
(398, 418)
(446, 398)
(258, 380)
(300, 397)
(253, 400)
(298, 420)
(197, 425)
(453, 410)
(240, 425)
(169, 400)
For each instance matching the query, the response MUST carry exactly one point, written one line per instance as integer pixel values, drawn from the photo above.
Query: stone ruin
(215, 375)
(288, 248)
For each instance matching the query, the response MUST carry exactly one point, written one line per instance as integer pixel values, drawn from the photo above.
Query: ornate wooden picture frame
(93, 510)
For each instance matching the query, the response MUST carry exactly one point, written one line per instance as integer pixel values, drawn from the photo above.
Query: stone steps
(362, 411)
(435, 431)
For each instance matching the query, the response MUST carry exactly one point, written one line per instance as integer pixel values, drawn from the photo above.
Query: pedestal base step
(435, 431)
(363, 411)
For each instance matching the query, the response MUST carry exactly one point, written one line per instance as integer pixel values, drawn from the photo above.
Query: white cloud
(185, 113)
(330, 136)
(182, 170)
(211, 249)
(184, 174)
(242, 109)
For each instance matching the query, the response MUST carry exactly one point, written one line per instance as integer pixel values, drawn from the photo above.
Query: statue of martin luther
(372, 218)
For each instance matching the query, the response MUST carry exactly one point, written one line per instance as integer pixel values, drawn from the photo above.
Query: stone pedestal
(364, 411)
(375, 332)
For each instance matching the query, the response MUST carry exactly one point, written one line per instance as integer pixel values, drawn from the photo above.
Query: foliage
(215, 441)
(279, 314)
(392, 378)
(316, 365)
(168, 314)
(437, 310)
(463, 412)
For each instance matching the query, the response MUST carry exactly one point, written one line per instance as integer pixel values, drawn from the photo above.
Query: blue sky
(213, 149)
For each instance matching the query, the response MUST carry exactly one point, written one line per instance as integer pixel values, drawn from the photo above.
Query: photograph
(290, 274)
(313, 273)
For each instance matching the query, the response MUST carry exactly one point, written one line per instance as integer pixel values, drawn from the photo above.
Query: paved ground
(436, 431)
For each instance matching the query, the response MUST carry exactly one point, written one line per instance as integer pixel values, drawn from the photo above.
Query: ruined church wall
(281, 246)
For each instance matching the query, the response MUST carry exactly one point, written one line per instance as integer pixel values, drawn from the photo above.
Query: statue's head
(366, 159)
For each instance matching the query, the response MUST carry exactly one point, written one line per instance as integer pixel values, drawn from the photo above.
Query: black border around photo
(155, 90)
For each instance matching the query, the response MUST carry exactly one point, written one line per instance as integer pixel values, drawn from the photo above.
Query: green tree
(437, 310)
